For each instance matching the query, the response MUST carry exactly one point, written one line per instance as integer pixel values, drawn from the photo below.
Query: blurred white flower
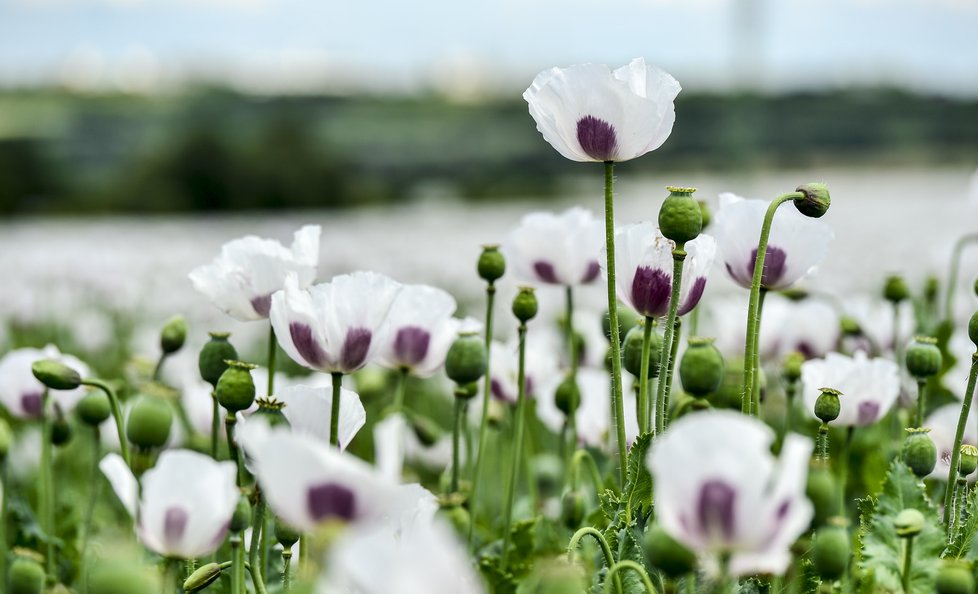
(22, 394)
(541, 366)
(336, 327)
(242, 279)
(589, 113)
(875, 319)
(556, 249)
(396, 443)
(943, 424)
(308, 410)
(956, 378)
(869, 386)
(719, 490)
(796, 246)
(185, 505)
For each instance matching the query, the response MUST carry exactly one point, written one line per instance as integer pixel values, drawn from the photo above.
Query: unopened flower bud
(241, 518)
(705, 213)
(286, 535)
(213, 357)
(791, 366)
(173, 335)
(973, 329)
(909, 523)
(55, 374)
(849, 326)
(820, 489)
(968, 461)
(831, 550)
(923, 358)
(93, 408)
(525, 305)
(896, 290)
(827, 405)
(680, 217)
(466, 359)
(203, 577)
(568, 396)
(701, 367)
(235, 390)
(815, 199)
(492, 264)
(666, 554)
(631, 350)
(149, 422)
(955, 577)
(919, 452)
(26, 577)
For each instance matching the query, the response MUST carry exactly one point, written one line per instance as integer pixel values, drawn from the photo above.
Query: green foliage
(963, 543)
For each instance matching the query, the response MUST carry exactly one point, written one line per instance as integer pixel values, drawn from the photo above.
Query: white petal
(122, 480)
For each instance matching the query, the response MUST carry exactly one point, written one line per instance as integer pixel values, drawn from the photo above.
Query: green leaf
(497, 580)
(810, 582)
(882, 549)
(637, 494)
(630, 549)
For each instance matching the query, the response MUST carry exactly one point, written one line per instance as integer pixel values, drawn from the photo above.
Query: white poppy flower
(22, 394)
(541, 366)
(396, 443)
(720, 491)
(796, 246)
(187, 501)
(943, 425)
(875, 319)
(556, 249)
(588, 112)
(242, 279)
(643, 262)
(869, 386)
(337, 326)
(308, 410)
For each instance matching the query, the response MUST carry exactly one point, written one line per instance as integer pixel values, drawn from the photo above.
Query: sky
(467, 48)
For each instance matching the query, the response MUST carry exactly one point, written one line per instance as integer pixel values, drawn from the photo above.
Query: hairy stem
(616, 395)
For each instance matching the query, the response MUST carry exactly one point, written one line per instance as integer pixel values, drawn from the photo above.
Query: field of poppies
(586, 413)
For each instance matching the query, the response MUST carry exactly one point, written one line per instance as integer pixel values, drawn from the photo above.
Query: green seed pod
(973, 329)
(203, 577)
(909, 523)
(849, 326)
(896, 290)
(492, 264)
(919, 452)
(680, 217)
(705, 213)
(728, 396)
(286, 535)
(6, 438)
(55, 374)
(466, 360)
(149, 422)
(827, 405)
(173, 335)
(270, 409)
(525, 305)
(213, 357)
(968, 460)
(26, 576)
(923, 358)
(822, 490)
(666, 554)
(701, 368)
(955, 577)
(60, 428)
(791, 367)
(236, 389)
(94, 408)
(831, 550)
(568, 396)
(467, 391)
(815, 201)
(241, 518)
(572, 509)
(631, 350)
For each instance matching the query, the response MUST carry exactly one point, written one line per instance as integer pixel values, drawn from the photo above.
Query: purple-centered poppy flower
(556, 249)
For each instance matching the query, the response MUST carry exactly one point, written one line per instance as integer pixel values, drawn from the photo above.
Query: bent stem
(484, 421)
(753, 313)
(609, 559)
(952, 274)
(579, 457)
(756, 363)
(644, 411)
(334, 410)
(518, 446)
(959, 433)
(678, 257)
(616, 395)
(116, 415)
(617, 568)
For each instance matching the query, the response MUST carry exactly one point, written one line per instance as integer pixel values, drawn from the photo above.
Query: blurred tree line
(212, 150)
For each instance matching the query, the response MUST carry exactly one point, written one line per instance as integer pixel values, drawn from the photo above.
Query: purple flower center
(411, 345)
(306, 344)
(693, 297)
(331, 500)
(868, 412)
(545, 272)
(651, 288)
(715, 509)
(354, 352)
(592, 272)
(262, 305)
(32, 403)
(597, 138)
(174, 525)
(774, 265)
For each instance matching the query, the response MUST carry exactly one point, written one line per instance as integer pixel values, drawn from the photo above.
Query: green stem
(753, 315)
(93, 494)
(229, 423)
(629, 564)
(45, 498)
(843, 461)
(790, 390)
(400, 390)
(215, 425)
(286, 570)
(116, 415)
(756, 362)
(158, 370)
(616, 395)
(518, 445)
(907, 563)
(644, 410)
(571, 423)
(673, 349)
(272, 349)
(609, 559)
(953, 513)
(456, 440)
(171, 576)
(484, 421)
(959, 432)
(952, 275)
(678, 257)
(822, 443)
(334, 410)
(257, 526)
(921, 402)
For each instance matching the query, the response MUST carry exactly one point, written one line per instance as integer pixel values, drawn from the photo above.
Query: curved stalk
(662, 397)
(959, 432)
(616, 395)
(116, 415)
(579, 457)
(629, 564)
(609, 559)
(45, 494)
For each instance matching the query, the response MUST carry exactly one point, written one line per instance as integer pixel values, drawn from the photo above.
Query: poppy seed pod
(525, 305)
(815, 201)
(968, 462)
(568, 396)
(631, 351)
(572, 509)
(820, 488)
(285, 534)
(680, 217)
(791, 366)
(666, 554)
(213, 357)
(149, 422)
(25, 577)
(173, 335)
(241, 518)
(270, 409)
(203, 577)
(466, 359)
(492, 264)
(909, 523)
(919, 452)
(923, 358)
(828, 405)
(896, 290)
(56, 375)
(831, 550)
(94, 408)
(973, 329)
(701, 368)
(60, 429)
(955, 577)
(235, 390)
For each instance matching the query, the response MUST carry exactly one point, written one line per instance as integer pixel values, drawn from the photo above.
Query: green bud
(791, 367)
(60, 428)
(973, 329)
(631, 350)
(572, 509)
(466, 360)
(93, 408)
(831, 550)
(173, 335)
(568, 396)
(896, 290)
(680, 217)
(919, 452)
(821, 490)
(923, 358)
(149, 422)
(241, 518)
(955, 577)
(203, 577)
(492, 264)
(666, 554)
(827, 405)
(909, 523)
(627, 319)
(285, 534)
(705, 213)
(55, 374)
(968, 461)
(795, 294)
(815, 200)
(849, 326)
(213, 357)
(525, 305)
(26, 576)
(236, 389)
(932, 287)
(467, 391)
(6, 438)
(701, 367)
(270, 409)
